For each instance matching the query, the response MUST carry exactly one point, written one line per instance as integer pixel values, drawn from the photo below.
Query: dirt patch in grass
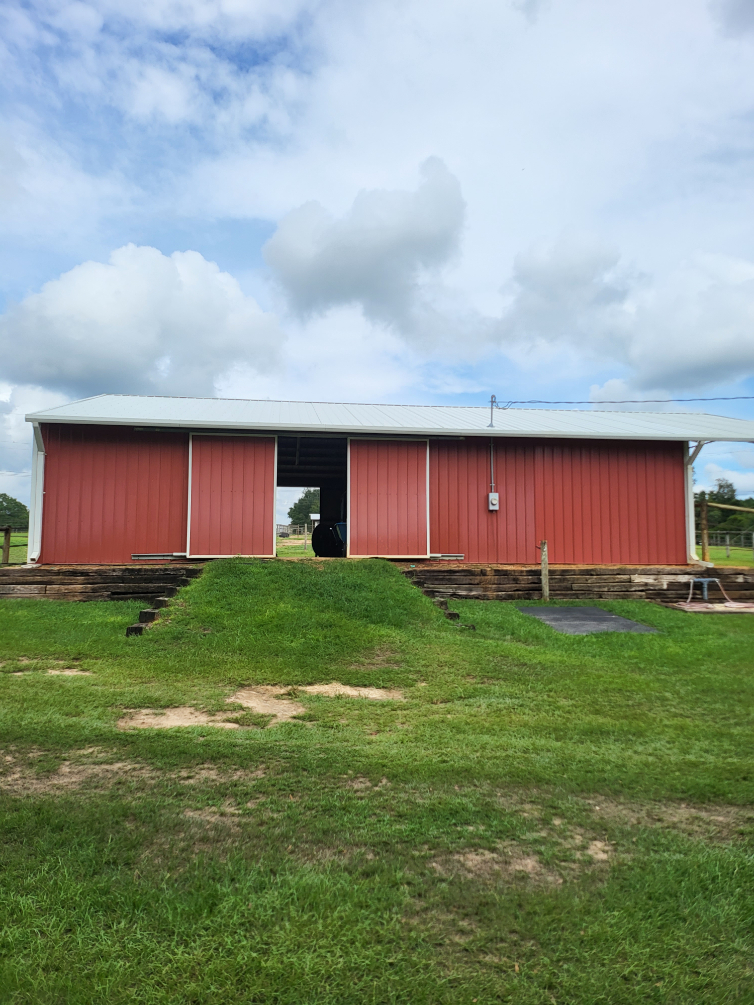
(22, 780)
(509, 862)
(24, 665)
(184, 715)
(264, 700)
(213, 814)
(88, 768)
(706, 822)
(337, 690)
(280, 702)
(361, 784)
(710, 822)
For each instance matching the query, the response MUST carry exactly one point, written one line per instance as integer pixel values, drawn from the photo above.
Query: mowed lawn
(18, 548)
(740, 557)
(543, 818)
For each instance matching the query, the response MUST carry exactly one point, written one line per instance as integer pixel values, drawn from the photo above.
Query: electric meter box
(493, 501)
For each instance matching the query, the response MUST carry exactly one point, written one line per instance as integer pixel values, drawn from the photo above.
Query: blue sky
(416, 201)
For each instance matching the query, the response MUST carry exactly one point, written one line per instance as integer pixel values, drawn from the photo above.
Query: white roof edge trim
(355, 432)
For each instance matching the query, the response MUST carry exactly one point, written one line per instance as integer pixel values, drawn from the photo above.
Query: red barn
(122, 478)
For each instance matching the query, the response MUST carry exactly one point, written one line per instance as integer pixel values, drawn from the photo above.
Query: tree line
(13, 513)
(726, 520)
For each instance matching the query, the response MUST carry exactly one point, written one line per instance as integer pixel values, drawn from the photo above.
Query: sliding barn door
(388, 493)
(231, 496)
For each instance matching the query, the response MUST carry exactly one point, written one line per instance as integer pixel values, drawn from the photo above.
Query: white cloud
(143, 322)
(696, 329)
(337, 357)
(736, 16)
(378, 255)
(573, 294)
(45, 196)
(15, 434)
(390, 253)
(743, 480)
(689, 330)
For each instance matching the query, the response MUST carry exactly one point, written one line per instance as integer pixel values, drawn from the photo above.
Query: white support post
(36, 501)
(689, 457)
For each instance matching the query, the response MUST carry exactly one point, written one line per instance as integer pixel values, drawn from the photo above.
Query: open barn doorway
(319, 462)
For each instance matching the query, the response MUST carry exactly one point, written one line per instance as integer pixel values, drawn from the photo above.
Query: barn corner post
(690, 455)
(34, 546)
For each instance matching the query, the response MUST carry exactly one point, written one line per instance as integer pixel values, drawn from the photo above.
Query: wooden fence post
(6, 546)
(704, 520)
(545, 571)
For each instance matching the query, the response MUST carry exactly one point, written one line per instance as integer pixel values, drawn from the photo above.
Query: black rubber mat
(584, 620)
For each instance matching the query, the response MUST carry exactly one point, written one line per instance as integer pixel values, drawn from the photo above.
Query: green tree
(13, 512)
(305, 505)
(724, 492)
(725, 521)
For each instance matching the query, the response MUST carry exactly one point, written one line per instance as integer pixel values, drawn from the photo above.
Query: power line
(624, 401)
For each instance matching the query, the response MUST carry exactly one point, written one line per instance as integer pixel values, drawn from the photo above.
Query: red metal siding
(111, 492)
(601, 502)
(387, 512)
(232, 495)
(460, 522)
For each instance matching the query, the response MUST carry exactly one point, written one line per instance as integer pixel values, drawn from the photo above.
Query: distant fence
(292, 529)
(741, 539)
(5, 536)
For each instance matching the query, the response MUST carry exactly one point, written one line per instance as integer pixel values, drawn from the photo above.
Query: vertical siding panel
(593, 463)
(232, 495)
(105, 494)
(624, 467)
(388, 497)
(577, 497)
(596, 502)
(626, 475)
(641, 492)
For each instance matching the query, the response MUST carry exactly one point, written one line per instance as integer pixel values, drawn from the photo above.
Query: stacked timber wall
(666, 584)
(82, 582)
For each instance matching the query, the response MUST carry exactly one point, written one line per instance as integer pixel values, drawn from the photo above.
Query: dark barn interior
(316, 462)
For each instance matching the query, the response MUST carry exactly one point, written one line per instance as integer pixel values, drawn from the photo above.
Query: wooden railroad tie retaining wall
(666, 584)
(87, 582)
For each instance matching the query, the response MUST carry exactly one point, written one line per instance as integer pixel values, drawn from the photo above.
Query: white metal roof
(438, 420)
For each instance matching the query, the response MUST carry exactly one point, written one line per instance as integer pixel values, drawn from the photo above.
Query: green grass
(442, 849)
(738, 556)
(293, 547)
(18, 544)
